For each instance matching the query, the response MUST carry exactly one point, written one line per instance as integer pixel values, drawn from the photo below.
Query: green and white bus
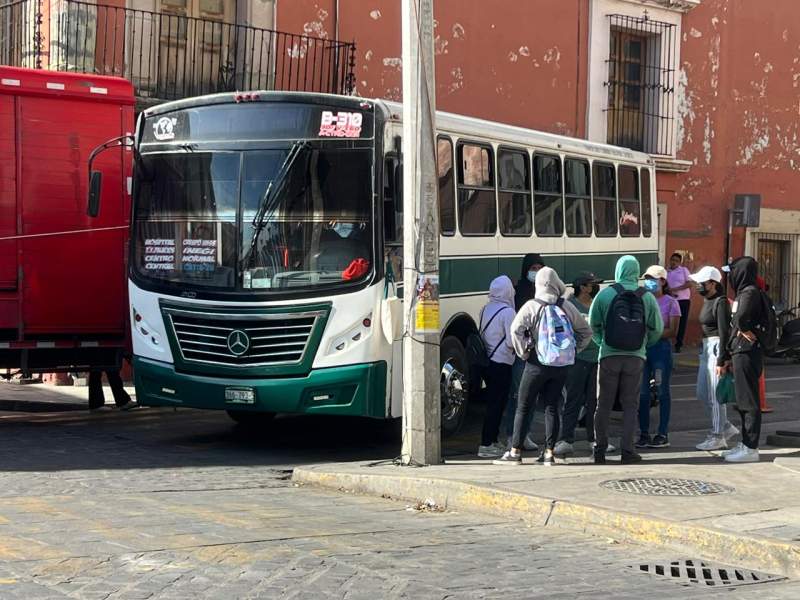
(266, 234)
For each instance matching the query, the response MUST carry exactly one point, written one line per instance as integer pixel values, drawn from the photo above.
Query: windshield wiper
(274, 191)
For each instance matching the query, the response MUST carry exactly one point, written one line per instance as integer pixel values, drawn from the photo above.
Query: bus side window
(477, 205)
(604, 188)
(629, 207)
(392, 201)
(548, 205)
(514, 197)
(447, 192)
(647, 217)
(578, 198)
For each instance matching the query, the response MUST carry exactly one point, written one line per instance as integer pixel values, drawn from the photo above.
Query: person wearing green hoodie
(620, 370)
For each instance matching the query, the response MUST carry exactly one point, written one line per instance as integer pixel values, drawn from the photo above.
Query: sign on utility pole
(421, 370)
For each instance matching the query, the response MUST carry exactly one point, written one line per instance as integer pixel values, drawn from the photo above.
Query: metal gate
(778, 256)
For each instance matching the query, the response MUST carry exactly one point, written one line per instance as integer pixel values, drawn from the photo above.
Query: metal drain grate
(653, 486)
(697, 572)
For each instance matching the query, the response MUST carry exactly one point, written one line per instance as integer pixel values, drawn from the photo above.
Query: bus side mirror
(95, 187)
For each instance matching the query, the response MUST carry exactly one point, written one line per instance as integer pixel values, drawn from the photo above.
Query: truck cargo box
(63, 298)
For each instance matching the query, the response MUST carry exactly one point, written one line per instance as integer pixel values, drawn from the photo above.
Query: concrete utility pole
(421, 371)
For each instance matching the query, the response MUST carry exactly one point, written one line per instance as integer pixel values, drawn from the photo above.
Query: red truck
(63, 284)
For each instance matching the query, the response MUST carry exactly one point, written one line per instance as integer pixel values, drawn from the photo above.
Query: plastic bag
(726, 394)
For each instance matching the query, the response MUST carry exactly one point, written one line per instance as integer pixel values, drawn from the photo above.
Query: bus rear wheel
(249, 418)
(454, 382)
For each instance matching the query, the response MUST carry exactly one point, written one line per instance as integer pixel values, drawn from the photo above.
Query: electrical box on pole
(421, 370)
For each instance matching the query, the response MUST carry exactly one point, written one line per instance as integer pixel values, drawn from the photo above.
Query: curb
(751, 551)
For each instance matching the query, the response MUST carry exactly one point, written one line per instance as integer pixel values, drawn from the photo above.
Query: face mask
(344, 230)
(651, 285)
(532, 275)
(595, 290)
(701, 289)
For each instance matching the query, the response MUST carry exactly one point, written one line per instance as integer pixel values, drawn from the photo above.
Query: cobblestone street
(157, 504)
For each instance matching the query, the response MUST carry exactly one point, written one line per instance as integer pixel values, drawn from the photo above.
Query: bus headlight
(145, 331)
(352, 336)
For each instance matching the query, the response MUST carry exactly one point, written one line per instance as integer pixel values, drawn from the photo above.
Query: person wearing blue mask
(659, 358)
(523, 291)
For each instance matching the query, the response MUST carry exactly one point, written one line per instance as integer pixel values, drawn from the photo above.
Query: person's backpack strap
(640, 292)
(492, 319)
(618, 288)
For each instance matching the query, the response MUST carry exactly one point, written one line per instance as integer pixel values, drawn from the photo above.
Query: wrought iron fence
(168, 56)
(778, 256)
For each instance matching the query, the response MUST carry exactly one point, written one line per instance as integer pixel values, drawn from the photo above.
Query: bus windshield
(256, 220)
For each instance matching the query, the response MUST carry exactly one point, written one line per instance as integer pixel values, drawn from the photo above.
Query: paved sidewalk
(754, 523)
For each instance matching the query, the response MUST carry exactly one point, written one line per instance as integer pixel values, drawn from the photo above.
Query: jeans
(511, 408)
(498, 382)
(707, 380)
(617, 376)
(684, 304)
(545, 381)
(96, 396)
(747, 367)
(659, 358)
(581, 392)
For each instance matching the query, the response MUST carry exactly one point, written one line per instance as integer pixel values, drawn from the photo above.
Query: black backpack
(625, 320)
(477, 355)
(767, 330)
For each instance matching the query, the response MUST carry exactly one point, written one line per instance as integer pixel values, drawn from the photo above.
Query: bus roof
(446, 122)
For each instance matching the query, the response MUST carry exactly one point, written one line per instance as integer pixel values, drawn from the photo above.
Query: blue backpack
(555, 342)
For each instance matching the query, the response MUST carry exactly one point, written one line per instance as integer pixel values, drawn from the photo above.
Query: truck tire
(248, 418)
(454, 382)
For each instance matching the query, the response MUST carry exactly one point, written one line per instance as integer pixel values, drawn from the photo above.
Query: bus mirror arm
(96, 177)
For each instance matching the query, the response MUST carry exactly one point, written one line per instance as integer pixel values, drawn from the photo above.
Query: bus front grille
(242, 340)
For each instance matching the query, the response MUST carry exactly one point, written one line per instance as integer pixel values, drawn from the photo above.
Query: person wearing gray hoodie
(495, 327)
(539, 379)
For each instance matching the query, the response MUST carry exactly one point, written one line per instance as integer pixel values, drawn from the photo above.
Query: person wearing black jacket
(744, 355)
(715, 321)
(523, 291)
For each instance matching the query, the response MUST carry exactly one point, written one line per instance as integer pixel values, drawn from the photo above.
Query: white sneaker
(736, 448)
(490, 451)
(730, 431)
(744, 455)
(508, 459)
(713, 442)
(529, 444)
(563, 448)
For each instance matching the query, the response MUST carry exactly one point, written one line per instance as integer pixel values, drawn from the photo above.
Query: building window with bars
(640, 84)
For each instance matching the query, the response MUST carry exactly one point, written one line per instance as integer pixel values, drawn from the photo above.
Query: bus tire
(454, 382)
(248, 418)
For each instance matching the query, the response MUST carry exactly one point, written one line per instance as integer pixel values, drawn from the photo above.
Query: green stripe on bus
(465, 275)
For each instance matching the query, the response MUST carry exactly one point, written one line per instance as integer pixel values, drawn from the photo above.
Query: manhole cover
(698, 572)
(653, 486)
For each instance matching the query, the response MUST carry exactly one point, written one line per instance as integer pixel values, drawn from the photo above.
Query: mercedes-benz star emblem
(238, 342)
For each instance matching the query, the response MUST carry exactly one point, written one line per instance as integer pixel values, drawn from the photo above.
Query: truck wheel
(454, 382)
(249, 418)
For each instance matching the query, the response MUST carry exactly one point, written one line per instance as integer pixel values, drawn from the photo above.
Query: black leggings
(545, 382)
(498, 382)
(96, 396)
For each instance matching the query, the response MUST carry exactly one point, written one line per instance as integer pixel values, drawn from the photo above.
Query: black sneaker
(599, 455)
(659, 441)
(546, 458)
(644, 441)
(629, 458)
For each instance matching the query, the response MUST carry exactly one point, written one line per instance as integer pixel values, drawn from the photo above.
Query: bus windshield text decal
(340, 124)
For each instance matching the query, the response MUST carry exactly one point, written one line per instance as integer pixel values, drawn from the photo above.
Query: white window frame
(667, 11)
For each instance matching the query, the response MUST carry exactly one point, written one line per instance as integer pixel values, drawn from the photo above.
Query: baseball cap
(707, 274)
(585, 277)
(656, 272)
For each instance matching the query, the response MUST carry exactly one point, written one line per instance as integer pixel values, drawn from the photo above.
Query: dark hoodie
(524, 289)
(748, 307)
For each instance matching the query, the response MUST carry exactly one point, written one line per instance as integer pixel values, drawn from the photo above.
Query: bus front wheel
(454, 382)
(251, 419)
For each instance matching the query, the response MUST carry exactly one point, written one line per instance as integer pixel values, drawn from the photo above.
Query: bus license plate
(240, 395)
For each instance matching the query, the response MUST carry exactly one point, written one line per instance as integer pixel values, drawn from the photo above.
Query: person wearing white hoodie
(539, 379)
(495, 327)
